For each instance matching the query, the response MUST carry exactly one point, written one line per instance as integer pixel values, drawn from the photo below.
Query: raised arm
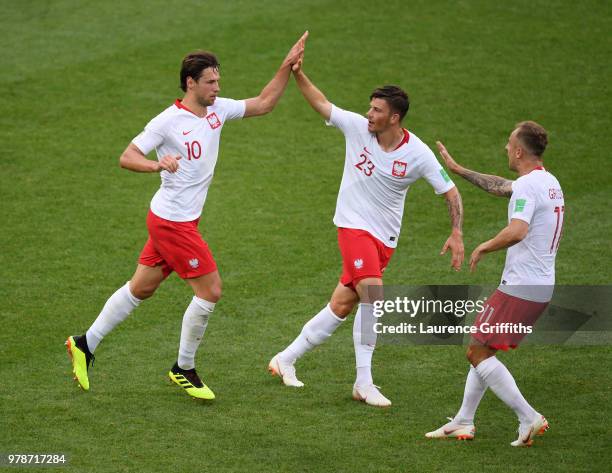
(495, 185)
(272, 92)
(313, 96)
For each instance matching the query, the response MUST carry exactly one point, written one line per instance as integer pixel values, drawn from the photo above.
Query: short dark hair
(532, 136)
(194, 64)
(395, 97)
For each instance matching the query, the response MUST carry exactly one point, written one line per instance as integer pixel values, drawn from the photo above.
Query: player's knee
(341, 309)
(143, 291)
(214, 292)
(477, 354)
(215, 295)
(469, 355)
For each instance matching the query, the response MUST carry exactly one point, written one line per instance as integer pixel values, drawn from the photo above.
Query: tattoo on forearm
(455, 211)
(493, 184)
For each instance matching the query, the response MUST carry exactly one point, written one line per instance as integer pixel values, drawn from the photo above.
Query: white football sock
(364, 340)
(117, 308)
(195, 321)
(315, 332)
(498, 378)
(474, 390)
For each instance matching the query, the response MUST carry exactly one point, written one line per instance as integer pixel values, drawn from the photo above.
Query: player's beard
(379, 127)
(375, 127)
(206, 102)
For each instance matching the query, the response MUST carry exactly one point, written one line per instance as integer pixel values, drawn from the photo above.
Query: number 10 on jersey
(194, 150)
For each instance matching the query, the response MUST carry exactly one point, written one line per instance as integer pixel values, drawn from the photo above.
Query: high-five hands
(296, 53)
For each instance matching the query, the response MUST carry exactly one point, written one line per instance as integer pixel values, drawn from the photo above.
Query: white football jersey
(178, 131)
(529, 272)
(375, 182)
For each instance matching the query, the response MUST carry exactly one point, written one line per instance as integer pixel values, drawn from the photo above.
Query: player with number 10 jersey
(186, 139)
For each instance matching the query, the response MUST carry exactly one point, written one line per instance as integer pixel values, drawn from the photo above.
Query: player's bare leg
(208, 287)
(477, 353)
(314, 333)
(146, 280)
(207, 292)
(143, 284)
(364, 339)
(343, 300)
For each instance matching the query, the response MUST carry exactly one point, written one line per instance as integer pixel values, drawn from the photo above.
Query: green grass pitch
(79, 79)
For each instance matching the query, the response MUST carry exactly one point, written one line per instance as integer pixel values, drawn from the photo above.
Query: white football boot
(286, 371)
(370, 395)
(452, 430)
(528, 431)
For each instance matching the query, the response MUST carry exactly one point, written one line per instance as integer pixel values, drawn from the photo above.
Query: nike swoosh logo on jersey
(366, 150)
(187, 132)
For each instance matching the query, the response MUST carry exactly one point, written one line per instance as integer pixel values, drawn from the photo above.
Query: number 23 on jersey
(365, 165)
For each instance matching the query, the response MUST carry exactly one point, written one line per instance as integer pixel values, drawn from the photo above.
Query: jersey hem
(371, 232)
(170, 219)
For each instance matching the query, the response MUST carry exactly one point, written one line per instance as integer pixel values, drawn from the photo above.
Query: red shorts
(176, 246)
(504, 312)
(363, 256)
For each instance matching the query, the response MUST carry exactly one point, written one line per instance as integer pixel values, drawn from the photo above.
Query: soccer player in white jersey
(382, 160)
(185, 137)
(535, 222)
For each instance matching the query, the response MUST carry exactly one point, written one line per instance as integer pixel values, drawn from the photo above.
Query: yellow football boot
(80, 357)
(190, 382)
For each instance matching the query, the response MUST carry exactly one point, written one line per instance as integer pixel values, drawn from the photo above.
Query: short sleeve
(435, 174)
(230, 108)
(523, 201)
(347, 122)
(150, 138)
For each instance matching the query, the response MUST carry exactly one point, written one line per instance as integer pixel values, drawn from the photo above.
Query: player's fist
(451, 164)
(169, 163)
